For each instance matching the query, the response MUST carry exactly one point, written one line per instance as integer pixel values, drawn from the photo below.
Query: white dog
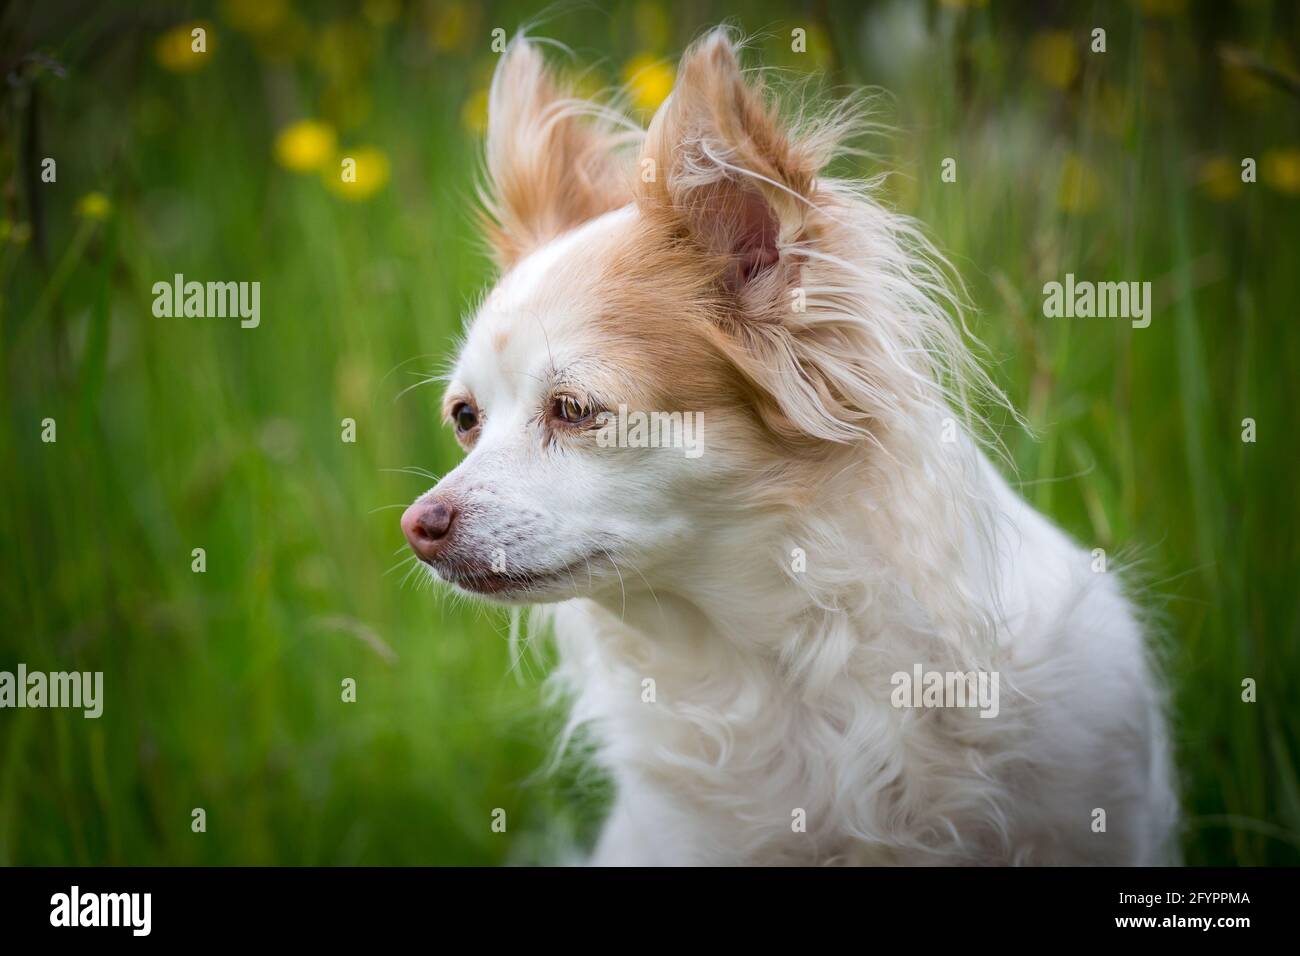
(718, 419)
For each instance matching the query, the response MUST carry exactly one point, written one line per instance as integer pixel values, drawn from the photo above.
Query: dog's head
(672, 339)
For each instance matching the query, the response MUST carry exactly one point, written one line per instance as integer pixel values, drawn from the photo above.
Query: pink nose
(426, 525)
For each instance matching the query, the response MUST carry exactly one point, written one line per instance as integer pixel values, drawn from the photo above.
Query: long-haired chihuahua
(721, 424)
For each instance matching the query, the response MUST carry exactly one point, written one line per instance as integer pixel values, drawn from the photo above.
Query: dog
(736, 629)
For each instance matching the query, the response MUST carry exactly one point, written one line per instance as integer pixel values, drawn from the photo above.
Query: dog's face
(642, 370)
(549, 502)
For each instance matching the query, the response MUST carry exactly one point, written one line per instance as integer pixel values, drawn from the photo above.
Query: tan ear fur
(723, 165)
(553, 161)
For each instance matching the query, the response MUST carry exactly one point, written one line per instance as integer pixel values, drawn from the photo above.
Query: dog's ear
(721, 166)
(722, 173)
(553, 160)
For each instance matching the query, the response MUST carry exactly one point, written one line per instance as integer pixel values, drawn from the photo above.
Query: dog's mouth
(485, 580)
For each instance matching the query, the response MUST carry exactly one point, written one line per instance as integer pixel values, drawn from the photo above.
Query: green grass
(223, 688)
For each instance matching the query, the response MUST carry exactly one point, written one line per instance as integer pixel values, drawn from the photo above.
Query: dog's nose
(426, 524)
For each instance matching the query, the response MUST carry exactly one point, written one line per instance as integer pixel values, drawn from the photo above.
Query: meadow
(222, 686)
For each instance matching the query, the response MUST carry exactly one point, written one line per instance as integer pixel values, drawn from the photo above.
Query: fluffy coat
(729, 628)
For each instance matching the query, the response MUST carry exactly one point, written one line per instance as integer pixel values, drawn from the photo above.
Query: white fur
(773, 694)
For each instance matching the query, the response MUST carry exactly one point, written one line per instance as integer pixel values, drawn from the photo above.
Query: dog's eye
(465, 417)
(569, 409)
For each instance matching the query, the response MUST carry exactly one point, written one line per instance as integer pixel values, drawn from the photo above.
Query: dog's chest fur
(783, 745)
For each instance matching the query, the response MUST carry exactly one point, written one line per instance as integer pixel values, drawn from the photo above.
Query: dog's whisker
(400, 564)
(412, 470)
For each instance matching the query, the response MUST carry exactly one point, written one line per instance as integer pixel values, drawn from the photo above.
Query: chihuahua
(828, 631)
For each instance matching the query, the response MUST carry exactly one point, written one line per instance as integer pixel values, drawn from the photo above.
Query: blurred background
(222, 688)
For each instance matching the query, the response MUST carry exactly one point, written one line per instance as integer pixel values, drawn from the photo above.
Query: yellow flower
(304, 146)
(94, 206)
(180, 50)
(1080, 185)
(255, 16)
(474, 114)
(1054, 56)
(1220, 178)
(649, 80)
(359, 173)
(1280, 168)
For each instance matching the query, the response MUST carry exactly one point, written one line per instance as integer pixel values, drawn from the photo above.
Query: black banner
(340, 905)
